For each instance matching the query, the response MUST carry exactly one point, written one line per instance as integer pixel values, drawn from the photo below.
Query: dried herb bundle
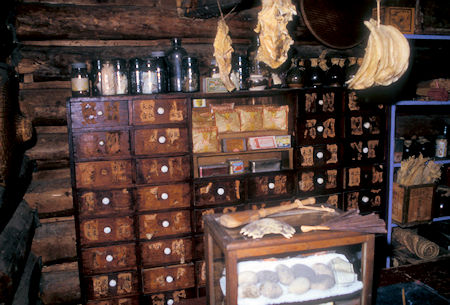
(416, 171)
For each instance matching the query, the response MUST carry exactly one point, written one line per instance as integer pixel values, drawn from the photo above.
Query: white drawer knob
(105, 200)
(101, 143)
(271, 185)
(320, 180)
(169, 279)
(320, 102)
(112, 283)
(109, 258)
(164, 168)
(220, 191)
(162, 139)
(319, 155)
(170, 302)
(167, 251)
(99, 113)
(160, 110)
(319, 128)
(164, 196)
(366, 125)
(365, 150)
(91, 117)
(365, 199)
(107, 230)
(165, 223)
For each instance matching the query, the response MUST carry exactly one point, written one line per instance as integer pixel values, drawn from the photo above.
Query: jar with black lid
(160, 68)
(135, 76)
(190, 75)
(79, 80)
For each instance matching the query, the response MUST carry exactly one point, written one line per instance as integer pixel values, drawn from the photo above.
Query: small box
(234, 145)
(213, 170)
(199, 102)
(236, 166)
(412, 204)
(213, 85)
(400, 17)
(265, 142)
(283, 141)
(265, 165)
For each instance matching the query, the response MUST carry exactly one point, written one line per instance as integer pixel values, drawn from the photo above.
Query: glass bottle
(175, 57)
(160, 70)
(148, 76)
(108, 78)
(121, 76)
(79, 80)
(316, 74)
(295, 76)
(96, 77)
(441, 144)
(214, 69)
(239, 71)
(335, 75)
(190, 75)
(135, 76)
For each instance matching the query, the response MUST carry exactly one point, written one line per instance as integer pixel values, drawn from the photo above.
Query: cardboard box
(412, 204)
(403, 18)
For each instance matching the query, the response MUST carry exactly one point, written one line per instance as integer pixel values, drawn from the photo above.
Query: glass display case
(310, 268)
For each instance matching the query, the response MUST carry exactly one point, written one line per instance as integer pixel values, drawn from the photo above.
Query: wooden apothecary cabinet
(232, 260)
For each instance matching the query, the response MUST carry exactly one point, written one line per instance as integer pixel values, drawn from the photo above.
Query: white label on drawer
(165, 223)
(365, 199)
(220, 191)
(366, 125)
(167, 251)
(112, 283)
(160, 110)
(109, 258)
(164, 168)
(101, 143)
(105, 201)
(162, 139)
(170, 302)
(320, 102)
(164, 196)
(169, 279)
(107, 230)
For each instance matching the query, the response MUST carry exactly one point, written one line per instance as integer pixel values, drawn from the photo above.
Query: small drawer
(111, 285)
(103, 230)
(320, 102)
(364, 150)
(103, 173)
(168, 251)
(159, 111)
(218, 192)
(318, 155)
(200, 273)
(171, 297)
(353, 104)
(270, 186)
(333, 200)
(119, 301)
(366, 201)
(168, 278)
(363, 176)
(109, 259)
(198, 213)
(164, 224)
(162, 197)
(363, 125)
(157, 170)
(101, 144)
(100, 203)
(317, 130)
(320, 180)
(99, 114)
(161, 141)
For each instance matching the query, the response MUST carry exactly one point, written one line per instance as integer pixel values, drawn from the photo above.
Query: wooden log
(28, 291)
(45, 106)
(55, 240)
(149, 3)
(50, 193)
(60, 284)
(50, 147)
(15, 242)
(40, 22)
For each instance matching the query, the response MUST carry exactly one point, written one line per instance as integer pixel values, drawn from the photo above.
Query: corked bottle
(174, 58)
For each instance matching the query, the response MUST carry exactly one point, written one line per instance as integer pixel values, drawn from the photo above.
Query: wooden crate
(403, 18)
(412, 204)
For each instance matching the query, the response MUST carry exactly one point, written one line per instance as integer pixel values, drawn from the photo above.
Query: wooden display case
(228, 253)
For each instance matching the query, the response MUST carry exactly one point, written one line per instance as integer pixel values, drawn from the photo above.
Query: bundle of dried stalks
(416, 171)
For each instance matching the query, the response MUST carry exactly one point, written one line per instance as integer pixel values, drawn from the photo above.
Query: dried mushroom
(222, 52)
(273, 34)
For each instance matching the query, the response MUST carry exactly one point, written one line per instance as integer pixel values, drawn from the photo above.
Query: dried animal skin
(261, 227)
(222, 53)
(273, 34)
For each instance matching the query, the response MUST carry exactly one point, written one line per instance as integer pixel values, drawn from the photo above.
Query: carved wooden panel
(159, 111)
(319, 180)
(321, 102)
(102, 230)
(99, 114)
(270, 185)
(110, 285)
(161, 141)
(318, 155)
(118, 301)
(364, 150)
(366, 201)
(364, 125)
(364, 176)
(166, 251)
(168, 278)
(354, 104)
(103, 173)
(164, 224)
(158, 170)
(317, 129)
(218, 192)
(108, 202)
(161, 197)
(101, 144)
(109, 259)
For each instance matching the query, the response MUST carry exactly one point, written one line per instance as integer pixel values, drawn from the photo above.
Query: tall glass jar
(149, 79)
(175, 57)
(190, 75)
(135, 76)
(108, 78)
(96, 77)
(79, 79)
(121, 76)
(160, 69)
(239, 71)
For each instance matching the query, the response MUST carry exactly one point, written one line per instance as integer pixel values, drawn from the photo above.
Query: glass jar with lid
(108, 83)
(96, 77)
(121, 76)
(148, 76)
(160, 68)
(190, 75)
(79, 80)
(135, 76)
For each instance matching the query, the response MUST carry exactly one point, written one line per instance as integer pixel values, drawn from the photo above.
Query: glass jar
(96, 77)
(121, 76)
(335, 75)
(214, 69)
(296, 74)
(315, 75)
(175, 57)
(79, 79)
(148, 76)
(135, 76)
(190, 75)
(108, 78)
(160, 68)
(239, 71)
